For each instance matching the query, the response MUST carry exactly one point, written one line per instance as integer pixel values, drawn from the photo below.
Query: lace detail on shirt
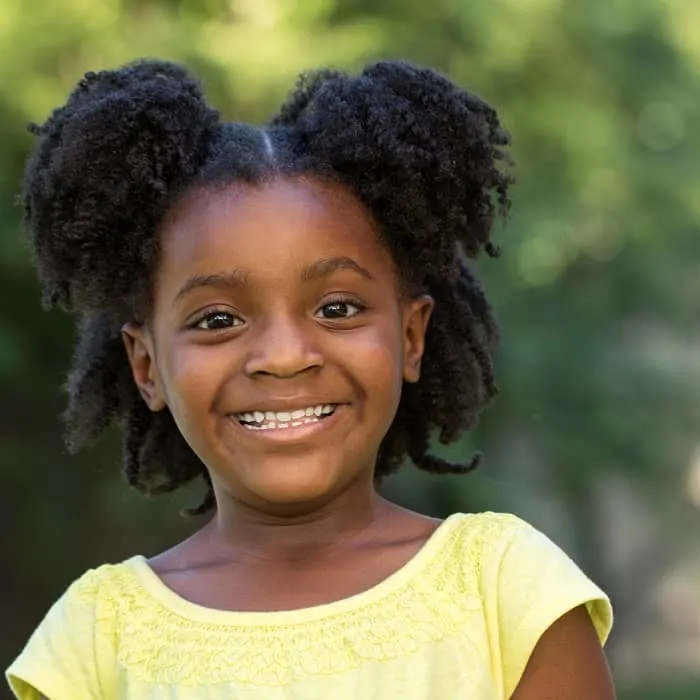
(158, 645)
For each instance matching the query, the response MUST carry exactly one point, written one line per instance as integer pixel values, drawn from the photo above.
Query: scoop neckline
(164, 595)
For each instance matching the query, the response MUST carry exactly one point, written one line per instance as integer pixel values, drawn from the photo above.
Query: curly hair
(425, 157)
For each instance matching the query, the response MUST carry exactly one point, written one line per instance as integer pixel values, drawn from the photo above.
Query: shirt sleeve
(62, 657)
(537, 583)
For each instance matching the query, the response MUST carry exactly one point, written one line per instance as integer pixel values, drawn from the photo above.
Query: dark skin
(281, 335)
(314, 315)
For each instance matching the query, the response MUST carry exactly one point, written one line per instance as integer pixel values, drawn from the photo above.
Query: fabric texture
(459, 620)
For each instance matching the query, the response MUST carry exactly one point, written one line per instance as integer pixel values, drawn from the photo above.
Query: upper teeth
(285, 416)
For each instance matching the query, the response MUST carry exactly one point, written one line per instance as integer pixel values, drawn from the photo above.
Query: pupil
(336, 309)
(218, 320)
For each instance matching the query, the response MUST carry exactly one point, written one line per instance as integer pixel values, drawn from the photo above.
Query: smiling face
(279, 338)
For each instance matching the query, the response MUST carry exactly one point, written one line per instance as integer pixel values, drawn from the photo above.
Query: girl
(287, 313)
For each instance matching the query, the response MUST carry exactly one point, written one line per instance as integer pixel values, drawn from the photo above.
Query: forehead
(270, 229)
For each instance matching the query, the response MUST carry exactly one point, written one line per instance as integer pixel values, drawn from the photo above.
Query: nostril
(283, 365)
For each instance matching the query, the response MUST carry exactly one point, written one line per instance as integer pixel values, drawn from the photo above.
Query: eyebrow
(237, 278)
(326, 266)
(231, 279)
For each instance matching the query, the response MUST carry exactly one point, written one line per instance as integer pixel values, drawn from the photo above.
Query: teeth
(269, 420)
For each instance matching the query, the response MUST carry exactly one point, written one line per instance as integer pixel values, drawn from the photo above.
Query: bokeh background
(595, 437)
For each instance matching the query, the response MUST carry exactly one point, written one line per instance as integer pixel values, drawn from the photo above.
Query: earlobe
(417, 317)
(143, 367)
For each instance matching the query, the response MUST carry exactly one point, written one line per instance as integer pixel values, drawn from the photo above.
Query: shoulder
(474, 542)
(487, 534)
(89, 584)
(88, 609)
(71, 652)
(515, 561)
(527, 583)
(504, 539)
(491, 522)
(89, 604)
(99, 588)
(469, 552)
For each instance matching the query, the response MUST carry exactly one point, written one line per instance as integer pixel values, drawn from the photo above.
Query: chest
(265, 586)
(405, 654)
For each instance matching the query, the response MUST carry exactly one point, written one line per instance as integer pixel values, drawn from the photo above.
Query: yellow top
(459, 620)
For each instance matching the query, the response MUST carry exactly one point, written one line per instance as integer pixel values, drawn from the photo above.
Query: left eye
(217, 320)
(339, 310)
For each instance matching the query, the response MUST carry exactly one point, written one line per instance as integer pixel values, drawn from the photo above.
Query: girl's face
(280, 339)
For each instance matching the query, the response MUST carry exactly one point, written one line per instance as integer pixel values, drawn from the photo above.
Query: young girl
(287, 313)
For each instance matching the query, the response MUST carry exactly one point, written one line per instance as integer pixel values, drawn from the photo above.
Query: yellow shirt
(459, 620)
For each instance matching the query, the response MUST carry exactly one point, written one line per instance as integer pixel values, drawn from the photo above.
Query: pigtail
(107, 164)
(100, 385)
(410, 129)
(429, 161)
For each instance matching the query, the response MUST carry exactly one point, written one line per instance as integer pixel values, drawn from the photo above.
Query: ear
(417, 312)
(139, 348)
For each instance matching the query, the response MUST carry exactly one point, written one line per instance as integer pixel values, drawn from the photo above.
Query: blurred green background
(594, 437)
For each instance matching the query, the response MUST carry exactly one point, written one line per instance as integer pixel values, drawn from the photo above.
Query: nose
(283, 348)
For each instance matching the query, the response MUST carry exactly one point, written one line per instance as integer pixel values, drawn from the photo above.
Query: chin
(293, 484)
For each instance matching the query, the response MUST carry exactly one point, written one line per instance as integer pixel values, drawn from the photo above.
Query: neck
(297, 532)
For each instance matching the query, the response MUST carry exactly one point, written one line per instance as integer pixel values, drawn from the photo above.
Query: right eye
(216, 321)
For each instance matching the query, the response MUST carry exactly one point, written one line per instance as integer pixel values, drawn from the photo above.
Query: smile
(280, 420)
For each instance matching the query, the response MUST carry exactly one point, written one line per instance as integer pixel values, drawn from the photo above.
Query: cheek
(377, 358)
(193, 379)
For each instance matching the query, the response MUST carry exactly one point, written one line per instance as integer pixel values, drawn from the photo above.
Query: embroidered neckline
(162, 638)
(165, 596)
